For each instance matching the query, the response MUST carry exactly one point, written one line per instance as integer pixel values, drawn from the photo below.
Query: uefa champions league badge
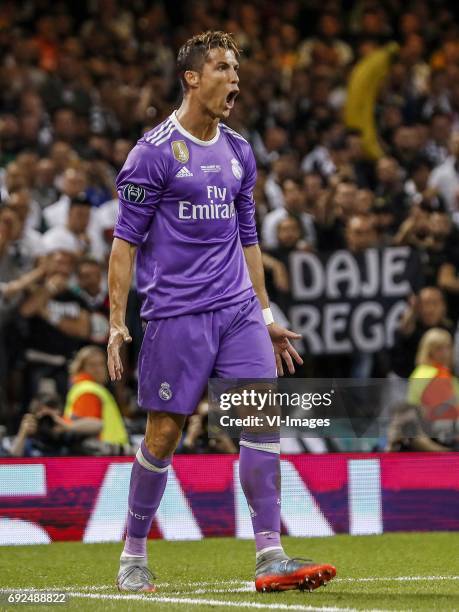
(165, 391)
(180, 151)
(236, 168)
(134, 193)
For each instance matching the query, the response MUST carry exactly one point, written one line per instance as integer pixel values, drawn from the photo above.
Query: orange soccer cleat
(285, 574)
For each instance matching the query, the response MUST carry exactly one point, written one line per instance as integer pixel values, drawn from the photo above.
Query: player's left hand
(119, 334)
(283, 349)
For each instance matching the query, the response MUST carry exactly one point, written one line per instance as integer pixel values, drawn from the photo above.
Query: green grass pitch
(417, 571)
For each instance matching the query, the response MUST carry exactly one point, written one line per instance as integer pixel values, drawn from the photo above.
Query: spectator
(435, 389)
(344, 200)
(58, 325)
(44, 431)
(438, 95)
(92, 289)
(432, 235)
(290, 237)
(425, 311)
(320, 158)
(333, 212)
(89, 398)
(364, 202)
(361, 233)
(445, 178)
(198, 438)
(65, 158)
(74, 183)
(326, 47)
(294, 205)
(313, 185)
(44, 191)
(13, 179)
(409, 431)
(81, 238)
(417, 182)
(389, 191)
(290, 233)
(29, 243)
(281, 170)
(437, 149)
(406, 144)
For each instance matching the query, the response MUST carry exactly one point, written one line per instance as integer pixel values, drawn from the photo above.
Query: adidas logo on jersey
(183, 172)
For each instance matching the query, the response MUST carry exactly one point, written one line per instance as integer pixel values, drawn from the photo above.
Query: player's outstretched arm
(120, 269)
(280, 336)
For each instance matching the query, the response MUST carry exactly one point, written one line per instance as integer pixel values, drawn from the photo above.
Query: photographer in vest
(435, 389)
(89, 397)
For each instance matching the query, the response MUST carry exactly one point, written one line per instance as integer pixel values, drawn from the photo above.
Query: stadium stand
(352, 110)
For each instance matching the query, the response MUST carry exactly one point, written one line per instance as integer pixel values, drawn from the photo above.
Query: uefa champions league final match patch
(134, 193)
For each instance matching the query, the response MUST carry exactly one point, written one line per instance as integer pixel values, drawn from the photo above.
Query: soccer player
(186, 216)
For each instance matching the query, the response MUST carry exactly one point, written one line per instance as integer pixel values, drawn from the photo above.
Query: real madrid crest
(180, 151)
(236, 168)
(165, 391)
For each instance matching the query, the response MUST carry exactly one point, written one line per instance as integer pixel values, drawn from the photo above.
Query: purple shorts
(180, 354)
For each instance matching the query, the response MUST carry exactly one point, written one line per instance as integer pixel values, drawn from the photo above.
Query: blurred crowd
(80, 82)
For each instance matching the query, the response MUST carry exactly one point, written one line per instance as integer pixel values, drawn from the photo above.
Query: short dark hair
(420, 161)
(51, 400)
(193, 54)
(296, 219)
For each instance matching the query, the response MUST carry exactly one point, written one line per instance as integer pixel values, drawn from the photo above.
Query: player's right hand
(119, 334)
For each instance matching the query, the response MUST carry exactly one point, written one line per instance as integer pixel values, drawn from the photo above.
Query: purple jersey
(188, 205)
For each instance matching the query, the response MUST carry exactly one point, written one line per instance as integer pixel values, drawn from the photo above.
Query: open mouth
(231, 97)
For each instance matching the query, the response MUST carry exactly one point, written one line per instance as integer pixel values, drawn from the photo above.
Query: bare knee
(163, 433)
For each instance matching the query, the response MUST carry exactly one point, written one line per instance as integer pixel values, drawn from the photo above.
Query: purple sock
(148, 481)
(135, 546)
(259, 472)
(267, 539)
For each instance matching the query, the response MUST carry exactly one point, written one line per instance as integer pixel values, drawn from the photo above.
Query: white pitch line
(152, 599)
(244, 589)
(59, 589)
(106, 587)
(395, 578)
